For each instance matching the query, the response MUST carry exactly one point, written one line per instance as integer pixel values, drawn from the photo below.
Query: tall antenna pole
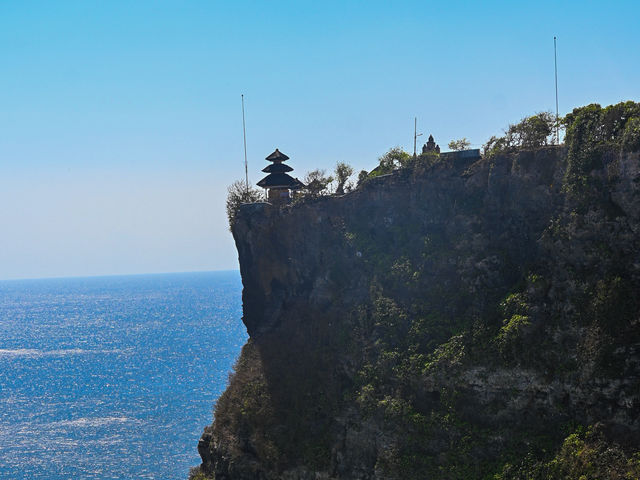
(555, 59)
(415, 135)
(244, 137)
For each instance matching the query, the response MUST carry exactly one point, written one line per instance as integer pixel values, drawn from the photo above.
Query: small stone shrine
(278, 183)
(430, 146)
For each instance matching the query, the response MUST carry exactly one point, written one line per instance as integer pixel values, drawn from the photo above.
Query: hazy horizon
(136, 274)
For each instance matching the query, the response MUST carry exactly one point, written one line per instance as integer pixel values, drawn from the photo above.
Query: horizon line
(108, 275)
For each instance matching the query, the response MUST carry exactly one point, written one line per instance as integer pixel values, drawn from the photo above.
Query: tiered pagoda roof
(277, 157)
(277, 168)
(278, 178)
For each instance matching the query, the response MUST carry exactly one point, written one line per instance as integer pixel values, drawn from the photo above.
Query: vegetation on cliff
(240, 192)
(452, 320)
(531, 132)
(586, 454)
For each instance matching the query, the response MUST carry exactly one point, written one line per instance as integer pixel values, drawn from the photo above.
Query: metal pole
(415, 135)
(244, 137)
(555, 59)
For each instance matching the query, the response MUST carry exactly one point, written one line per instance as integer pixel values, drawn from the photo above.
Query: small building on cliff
(430, 146)
(278, 183)
(466, 156)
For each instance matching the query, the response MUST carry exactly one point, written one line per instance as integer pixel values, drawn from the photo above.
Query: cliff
(450, 320)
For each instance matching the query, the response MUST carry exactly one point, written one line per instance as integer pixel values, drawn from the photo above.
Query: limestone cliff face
(438, 322)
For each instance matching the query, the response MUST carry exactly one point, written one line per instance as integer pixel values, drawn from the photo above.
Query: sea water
(113, 377)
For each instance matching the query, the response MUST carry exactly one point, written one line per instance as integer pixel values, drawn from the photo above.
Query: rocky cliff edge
(456, 320)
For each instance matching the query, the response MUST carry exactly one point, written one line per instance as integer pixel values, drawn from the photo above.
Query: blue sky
(120, 123)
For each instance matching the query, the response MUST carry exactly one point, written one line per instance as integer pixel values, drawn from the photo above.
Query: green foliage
(530, 133)
(593, 124)
(390, 322)
(237, 194)
(247, 408)
(584, 455)
(592, 131)
(512, 330)
(366, 397)
(424, 160)
(414, 456)
(447, 354)
(317, 183)
(342, 173)
(514, 304)
(394, 158)
(196, 474)
(516, 319)
(403, 270)
(460, 144)
(631, 135)
(362, 177)
(397, 159)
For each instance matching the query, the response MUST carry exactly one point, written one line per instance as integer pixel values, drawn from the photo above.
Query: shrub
(531, 132)
(317, 183)
(394, 158)
(511, 329)
(583, 456)
(593, 129)
(362, 177)
(342, 173)
(237, 194)
(461, 144)
(196, 474)
(631, 135)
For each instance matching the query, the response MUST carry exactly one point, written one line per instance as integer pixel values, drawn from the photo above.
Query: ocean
(113, 377)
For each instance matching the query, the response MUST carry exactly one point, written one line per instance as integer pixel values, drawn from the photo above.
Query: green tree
(237, 194)
(343, 172)
(631, 135)
(317, 182)
(394, 158)
(461, 144)
(531, 132)
(592, 130)
(362, 177)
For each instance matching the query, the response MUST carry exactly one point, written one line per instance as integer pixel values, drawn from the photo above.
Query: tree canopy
(460, 144)
(592, 129)
(317, 182)
(237, 194)
(343, 172)
(396, 157)
(531, 132)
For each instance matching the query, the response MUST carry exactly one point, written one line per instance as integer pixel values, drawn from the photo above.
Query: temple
(430, 146)
(278, 183)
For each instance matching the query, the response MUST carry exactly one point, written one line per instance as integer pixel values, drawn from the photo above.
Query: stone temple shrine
(430, 146)
(278, 183)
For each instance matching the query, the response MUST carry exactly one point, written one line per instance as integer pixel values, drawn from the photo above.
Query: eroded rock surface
(438, 322)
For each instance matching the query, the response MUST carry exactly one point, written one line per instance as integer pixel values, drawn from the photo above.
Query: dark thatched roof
(277, 168)
(277, 156)
(277, 177)
(282, 180)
